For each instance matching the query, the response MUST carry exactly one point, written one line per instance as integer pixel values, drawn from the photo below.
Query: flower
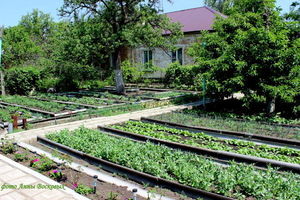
(54, 171)
(35, 160)
(75, 185)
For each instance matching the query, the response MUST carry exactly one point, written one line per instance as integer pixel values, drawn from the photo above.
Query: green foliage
(20, 157)
(18, 47)
(231, 122)
(44, 84)
(222, 6)
(5, 114)
(250, 51)
(181, 75)
(33, 103)
(8, 146)
(137, 73)
(237, 180)
(84, 189)
(42, 164)
(202, 140)
(126, 24)
(72, 76)
(22, 80)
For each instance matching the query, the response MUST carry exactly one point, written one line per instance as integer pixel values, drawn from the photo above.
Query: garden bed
(71, 178)
(88, 102)
(190, 118)
(190, 170)
(48, 108)
(248, 136)
(270, 154)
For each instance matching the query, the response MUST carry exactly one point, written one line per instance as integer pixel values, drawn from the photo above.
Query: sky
(11, 11)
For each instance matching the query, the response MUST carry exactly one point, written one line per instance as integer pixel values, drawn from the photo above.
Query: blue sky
(12, 11)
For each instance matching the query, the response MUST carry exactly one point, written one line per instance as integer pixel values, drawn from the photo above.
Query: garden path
(28, 135)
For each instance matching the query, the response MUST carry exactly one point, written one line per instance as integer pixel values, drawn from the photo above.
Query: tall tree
(250, 51)
(128, 23)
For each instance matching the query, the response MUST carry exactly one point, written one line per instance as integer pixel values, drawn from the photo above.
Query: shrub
(73, 75)
(22, 80)
(44, 84)
(181, 75)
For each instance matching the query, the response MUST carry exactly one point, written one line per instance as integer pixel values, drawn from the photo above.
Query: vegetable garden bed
(191, 171)
(222, 123)
(71, 178)
(248, 136)
(48, 108)
(87, 102)
(201, 140)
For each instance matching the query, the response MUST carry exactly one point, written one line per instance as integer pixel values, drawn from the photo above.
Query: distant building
(193, 21)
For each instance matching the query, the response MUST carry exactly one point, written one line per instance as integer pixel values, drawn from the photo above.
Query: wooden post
(24, 121)
(15, 121)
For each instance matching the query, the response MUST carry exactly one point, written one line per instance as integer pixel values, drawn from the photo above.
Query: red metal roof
(195, 19)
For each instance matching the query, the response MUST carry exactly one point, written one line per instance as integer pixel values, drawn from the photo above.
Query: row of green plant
(7, 113)
(199, 139)
(191, 118)
(81, 100)
(43, 105)
(164, 94)
(237, 180)
(256, 118)
(106, 95)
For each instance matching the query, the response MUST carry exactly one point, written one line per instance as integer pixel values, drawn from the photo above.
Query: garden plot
(190, 118)
(88, 102)
(60, 170)
(248, 151)
(6, 114)
(49, 108)
(176, 169)
(105, 96)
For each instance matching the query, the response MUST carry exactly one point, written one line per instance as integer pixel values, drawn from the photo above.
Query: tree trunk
(116, 64)
(2, 82)
(271, 105)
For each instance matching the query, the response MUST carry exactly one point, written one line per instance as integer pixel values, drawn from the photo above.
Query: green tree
(128, 23)
(18, 47)
(250, 51)
(222, 6)
(294, 13)
(38, 25)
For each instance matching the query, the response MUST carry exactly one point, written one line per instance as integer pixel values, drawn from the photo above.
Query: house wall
(162, 58)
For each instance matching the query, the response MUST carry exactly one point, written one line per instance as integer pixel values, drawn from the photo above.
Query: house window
(177, 56)
(148, 57)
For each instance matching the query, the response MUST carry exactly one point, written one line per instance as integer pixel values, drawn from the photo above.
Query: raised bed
(202, 140)
(38, 106)
(230, 124)
(221, 155)
(133, 174)
(69, 174)
(79, 104)
(249, 136)
(87, 140)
